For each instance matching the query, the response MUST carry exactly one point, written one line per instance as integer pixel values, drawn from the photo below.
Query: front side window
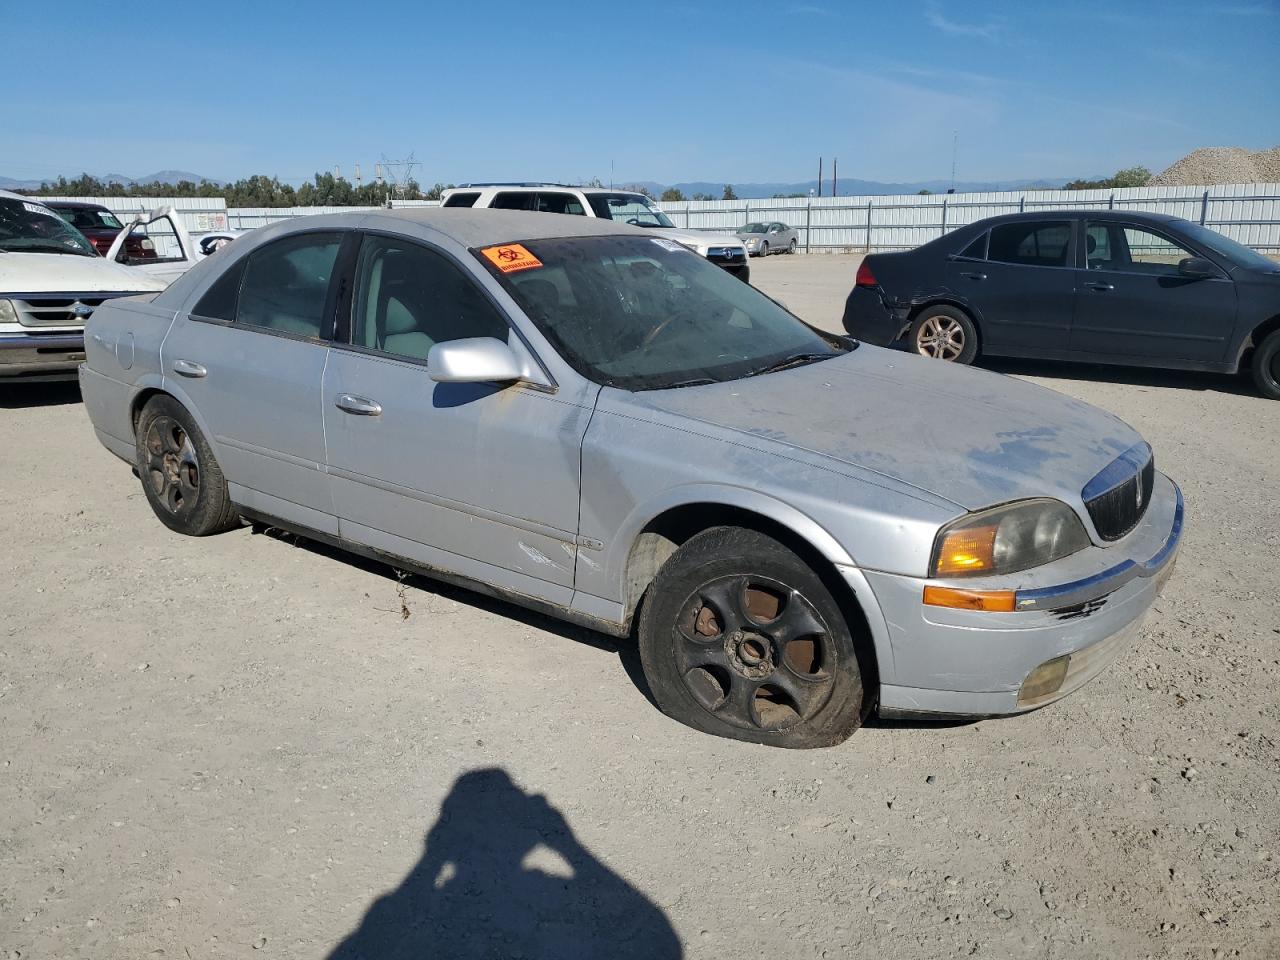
(644, 313)
(633, 208)
(408, 299)
(1032, 243)
(1131, 249)
(286, 284)
(28, 227)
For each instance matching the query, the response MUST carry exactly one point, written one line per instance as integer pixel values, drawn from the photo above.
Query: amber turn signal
(993, 601)
(966, 550)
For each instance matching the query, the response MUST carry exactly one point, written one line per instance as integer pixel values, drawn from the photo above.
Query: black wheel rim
(173, 470)
(754, 652)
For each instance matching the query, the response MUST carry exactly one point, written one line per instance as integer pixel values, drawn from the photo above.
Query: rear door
(249, 360)
(1133, 302)
(1024, 291)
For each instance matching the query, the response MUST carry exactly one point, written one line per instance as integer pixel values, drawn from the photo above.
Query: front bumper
(40, 355)
(949, 661)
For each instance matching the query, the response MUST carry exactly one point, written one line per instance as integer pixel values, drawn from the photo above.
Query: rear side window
(220, 300)
(560, 203)
(1031, 243)
(462, 200)
(513, 200)
(286, 284)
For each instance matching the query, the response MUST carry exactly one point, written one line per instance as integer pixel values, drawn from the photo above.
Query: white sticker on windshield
(666, 244)
(36, 208)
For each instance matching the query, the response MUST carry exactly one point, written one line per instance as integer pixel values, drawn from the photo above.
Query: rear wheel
(741, 639)
(1266, 366)
(180, 477)
(944, 333)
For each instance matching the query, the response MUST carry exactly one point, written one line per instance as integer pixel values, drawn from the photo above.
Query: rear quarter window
(462, 200)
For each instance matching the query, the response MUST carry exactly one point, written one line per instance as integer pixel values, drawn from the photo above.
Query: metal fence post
(1204, 207)
(868, 226)
(808, 220)
(1111, 202)
(1022, 204)
(944, 216)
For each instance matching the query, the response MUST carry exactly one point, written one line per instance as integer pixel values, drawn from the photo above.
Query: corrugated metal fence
(1248, 213)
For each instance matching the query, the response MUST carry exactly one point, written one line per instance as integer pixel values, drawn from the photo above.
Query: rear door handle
(189, 368)
(1100, 287)
(359, 406)
(974, 276)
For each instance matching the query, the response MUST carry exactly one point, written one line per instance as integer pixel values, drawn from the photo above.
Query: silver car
(762, 239)
(592, 421)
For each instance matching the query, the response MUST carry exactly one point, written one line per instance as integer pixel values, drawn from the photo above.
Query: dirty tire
(740, 638)
(764, 248)
(1266, 366)
(180, 477)
(944, 333)
(794, 245)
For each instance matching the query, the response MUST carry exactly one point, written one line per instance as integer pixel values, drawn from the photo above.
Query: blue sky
(732, 91)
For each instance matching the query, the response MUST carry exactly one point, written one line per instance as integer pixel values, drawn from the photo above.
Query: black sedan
(1094, 285)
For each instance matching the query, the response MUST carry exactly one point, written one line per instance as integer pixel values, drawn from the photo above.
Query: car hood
(698, 237)
(66, 273)
(969, 436)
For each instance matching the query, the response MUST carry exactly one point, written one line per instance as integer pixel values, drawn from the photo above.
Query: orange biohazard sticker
(511, 257)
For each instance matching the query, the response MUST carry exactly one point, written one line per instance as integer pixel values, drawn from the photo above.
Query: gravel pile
(1210, 165)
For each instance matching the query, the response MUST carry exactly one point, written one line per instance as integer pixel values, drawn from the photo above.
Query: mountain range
(162, 176)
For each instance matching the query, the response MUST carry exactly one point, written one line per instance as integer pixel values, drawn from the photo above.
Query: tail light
(865, 277)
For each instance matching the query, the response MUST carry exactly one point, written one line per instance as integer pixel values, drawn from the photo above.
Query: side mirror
(1197, 268)
(473, 360)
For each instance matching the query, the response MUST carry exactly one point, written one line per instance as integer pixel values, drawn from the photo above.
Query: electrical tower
(400, 173)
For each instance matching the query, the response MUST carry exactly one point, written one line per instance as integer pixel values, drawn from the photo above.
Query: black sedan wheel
(944, 333)
(740, 638)
(1266, 366)
(179, 474)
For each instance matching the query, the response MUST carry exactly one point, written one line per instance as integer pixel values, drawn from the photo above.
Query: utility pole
(835, 182)
(819, 176)
(955, 142)
(358, 176)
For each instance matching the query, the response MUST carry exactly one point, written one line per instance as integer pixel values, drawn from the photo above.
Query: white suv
(725, 251)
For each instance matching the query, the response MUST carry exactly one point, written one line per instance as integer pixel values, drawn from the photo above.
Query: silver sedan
(764, 238)
(595, 422)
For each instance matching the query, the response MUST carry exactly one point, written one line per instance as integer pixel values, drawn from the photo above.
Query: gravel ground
(238, 747)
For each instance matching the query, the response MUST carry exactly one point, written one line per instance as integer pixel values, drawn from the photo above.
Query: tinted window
(1097, 246)
(560, 203)
(1118, 246)
(513, 200)
(286, 284)
(1032, 243)
(409, 298)
(462, 200)
(219, 301)
(977, 250)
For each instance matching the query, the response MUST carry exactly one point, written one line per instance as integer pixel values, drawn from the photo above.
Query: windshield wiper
(693, 382)
(795, 360)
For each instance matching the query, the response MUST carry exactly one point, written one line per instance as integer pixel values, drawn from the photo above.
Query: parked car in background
(762, 239)
(1099, 286)
(592, 421)
(101, 227)
(622, 206)
(173, 250)
(51, 281)
(210, 243)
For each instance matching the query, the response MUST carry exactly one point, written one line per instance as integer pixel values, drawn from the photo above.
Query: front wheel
(764, 248)
(793, 246)
(180, 477)
(1266, 366)
(741, 639)
(944, 333)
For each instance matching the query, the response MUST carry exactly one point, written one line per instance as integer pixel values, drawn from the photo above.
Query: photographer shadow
(504, 876)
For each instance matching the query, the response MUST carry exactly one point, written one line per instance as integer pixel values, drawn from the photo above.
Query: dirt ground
(239, 747)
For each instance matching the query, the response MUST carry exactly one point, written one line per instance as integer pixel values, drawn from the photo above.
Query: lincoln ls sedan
(592, 421)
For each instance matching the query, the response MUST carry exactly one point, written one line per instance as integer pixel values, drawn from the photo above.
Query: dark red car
(101, 227)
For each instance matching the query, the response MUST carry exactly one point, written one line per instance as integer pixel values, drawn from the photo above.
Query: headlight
(1008, 539)
(7, 313)
(147, 244)
(696, 248)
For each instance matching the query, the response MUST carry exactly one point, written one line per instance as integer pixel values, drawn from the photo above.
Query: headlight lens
(7, 313)
(1008, 539)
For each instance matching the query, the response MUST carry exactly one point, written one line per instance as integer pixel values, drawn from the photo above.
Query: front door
(1024, 290)
(1132, 301)
(251, 360)
(480, 480)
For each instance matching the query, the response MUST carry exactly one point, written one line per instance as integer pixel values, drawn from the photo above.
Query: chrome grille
(1117, 498)
(59, 310)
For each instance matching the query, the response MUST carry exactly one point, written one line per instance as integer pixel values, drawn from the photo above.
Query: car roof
(1093, 214)
(535, 187)
(477, 228)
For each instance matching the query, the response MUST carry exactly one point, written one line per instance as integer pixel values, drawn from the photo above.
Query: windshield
(87, 218)
(754, 228)
(33, 228)
(644, 313)
(1237, 253)
(633, 208)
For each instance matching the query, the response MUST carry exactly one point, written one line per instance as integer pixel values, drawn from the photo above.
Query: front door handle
(974, 276)
(1100, 287)
(189, 368)
(359, 406)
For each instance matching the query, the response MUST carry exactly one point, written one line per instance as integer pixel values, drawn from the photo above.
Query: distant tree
(1128, 177)
(435, 192)
(924, 193)
(728, 193)
(702, 196)
(594, 182)
(637, 188)
(672, 195)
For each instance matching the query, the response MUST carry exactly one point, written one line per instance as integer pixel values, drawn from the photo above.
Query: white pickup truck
(51, 279)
